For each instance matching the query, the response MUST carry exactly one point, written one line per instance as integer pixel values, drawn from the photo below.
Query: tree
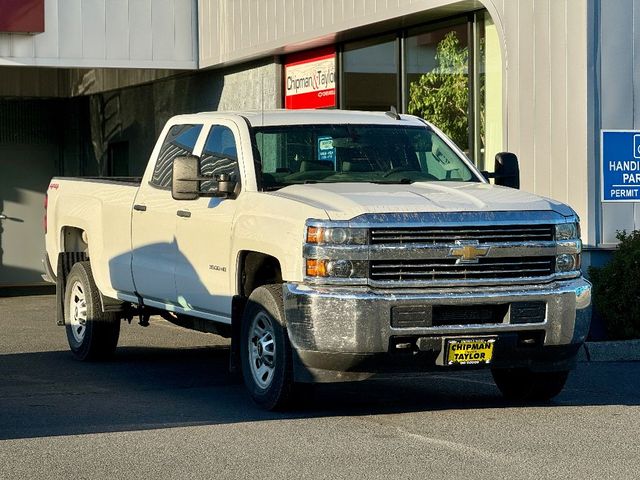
(442, 95)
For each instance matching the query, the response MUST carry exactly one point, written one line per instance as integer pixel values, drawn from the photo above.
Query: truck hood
(344, 201)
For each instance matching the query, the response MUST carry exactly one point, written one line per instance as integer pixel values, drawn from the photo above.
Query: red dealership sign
(22, 16)
(310, 79)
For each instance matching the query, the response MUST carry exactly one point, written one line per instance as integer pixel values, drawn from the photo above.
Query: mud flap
(238, 304)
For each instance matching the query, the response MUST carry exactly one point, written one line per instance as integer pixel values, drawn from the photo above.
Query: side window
(180, 141)
(219, 156)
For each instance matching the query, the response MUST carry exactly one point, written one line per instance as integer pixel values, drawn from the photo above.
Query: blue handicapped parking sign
(620, 165)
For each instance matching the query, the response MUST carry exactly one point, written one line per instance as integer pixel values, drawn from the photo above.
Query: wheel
(92, 334)
(265, 350)
(522, 384)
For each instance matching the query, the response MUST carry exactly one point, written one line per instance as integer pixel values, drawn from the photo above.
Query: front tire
(265, 350)
(520, 384)
(92, 334)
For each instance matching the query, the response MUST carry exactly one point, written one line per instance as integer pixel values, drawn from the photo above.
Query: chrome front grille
(446, 269)
(449, 235)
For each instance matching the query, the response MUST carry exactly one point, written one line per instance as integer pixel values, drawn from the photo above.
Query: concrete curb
(618, 351)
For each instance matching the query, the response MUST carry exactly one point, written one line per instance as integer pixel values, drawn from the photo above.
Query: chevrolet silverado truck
(329, 246)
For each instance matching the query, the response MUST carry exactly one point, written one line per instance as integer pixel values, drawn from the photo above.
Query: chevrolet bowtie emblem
(468, 251)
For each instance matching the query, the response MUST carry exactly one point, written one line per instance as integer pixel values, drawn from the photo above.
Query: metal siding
(543, 54)
(93, 29)
(70, 13)
(512, 74)
(141, 46)
(163, 34)
(527, 100)
(183, 24)
(617, 95)
(22, 46)
(46, 43)
(109, 33)
(262, 12)
(116, 17)
(576, 100)
(5, 45)
(559, 163)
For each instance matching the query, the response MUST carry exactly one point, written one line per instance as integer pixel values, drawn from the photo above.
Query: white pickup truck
(330, 246)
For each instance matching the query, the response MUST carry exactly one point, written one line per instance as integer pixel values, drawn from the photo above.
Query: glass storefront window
(437, 82)
(370, 75)
(452, 77)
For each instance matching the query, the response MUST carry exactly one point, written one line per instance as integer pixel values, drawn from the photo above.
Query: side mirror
(506, 170)
(185, 184)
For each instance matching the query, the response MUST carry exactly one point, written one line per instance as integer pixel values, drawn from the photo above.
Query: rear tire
(92, 334)
(265, 350)
(521, 384)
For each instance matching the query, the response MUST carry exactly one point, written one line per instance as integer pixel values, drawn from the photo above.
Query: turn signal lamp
(316, 268)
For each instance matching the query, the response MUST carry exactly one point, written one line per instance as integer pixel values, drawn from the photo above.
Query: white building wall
(109, 33)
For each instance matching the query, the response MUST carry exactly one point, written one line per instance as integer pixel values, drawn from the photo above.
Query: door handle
(3, 216)
(140, 208)
(183, 213)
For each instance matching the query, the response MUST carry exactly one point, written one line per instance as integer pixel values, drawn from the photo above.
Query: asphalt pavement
(165, 407)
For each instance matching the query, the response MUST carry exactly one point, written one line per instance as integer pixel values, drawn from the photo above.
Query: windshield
(294, 154)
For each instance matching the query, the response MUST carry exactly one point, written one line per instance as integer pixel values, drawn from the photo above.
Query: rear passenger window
(180, 141)
(219, 156)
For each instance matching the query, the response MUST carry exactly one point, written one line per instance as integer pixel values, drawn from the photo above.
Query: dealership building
(86, 86)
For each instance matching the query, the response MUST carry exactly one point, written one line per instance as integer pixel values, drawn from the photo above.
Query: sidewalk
(615, 351)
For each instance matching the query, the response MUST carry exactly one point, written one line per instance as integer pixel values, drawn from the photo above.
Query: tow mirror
(186, 183)
(506, 170)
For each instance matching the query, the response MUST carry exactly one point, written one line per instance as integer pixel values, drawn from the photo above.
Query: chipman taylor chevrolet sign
(620, 162)
(310, 79)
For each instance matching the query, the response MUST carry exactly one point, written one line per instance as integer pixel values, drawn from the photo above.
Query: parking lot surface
(165, 407)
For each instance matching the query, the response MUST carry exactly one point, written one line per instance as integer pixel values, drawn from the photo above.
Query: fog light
(565, 263)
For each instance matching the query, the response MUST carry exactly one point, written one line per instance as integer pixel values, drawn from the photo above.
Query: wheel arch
(253, 269)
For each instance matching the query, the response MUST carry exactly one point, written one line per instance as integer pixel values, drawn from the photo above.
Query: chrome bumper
(341, 320)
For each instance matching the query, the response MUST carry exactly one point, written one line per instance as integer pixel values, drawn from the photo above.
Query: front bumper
(345, 333)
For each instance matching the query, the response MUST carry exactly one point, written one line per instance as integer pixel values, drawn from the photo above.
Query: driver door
(203, 231)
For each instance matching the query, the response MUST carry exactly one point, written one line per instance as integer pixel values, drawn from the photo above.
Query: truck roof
(258, 118)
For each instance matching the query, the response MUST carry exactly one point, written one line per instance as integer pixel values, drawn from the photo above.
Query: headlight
(567, 263)
(567, 231)
(336, 268)
(336, 236)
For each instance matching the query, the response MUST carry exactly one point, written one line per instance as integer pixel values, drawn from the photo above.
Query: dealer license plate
(469, 351)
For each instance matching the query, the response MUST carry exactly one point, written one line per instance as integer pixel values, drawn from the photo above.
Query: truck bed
(101, 208)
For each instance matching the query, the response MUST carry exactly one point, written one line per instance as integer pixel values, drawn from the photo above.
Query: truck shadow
(49, 393)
